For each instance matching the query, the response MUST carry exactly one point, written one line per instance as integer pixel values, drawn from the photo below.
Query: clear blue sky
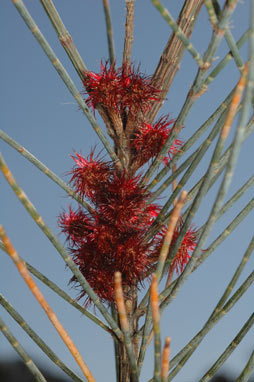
(40, 113)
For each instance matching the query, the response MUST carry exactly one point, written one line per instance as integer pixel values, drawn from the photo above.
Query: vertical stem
(129, 26)
(156, 328)
(122, 313)
(111, 45)
(165, 360)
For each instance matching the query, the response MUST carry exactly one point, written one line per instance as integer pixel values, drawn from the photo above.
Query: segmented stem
(19, 349)
(42, 345)
(110, 37)
(125, 325)
(45, 306)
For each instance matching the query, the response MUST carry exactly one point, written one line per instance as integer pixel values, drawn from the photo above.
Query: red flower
(186, 248)
(150, 139)
(123, 89)
(112, 238)
(90, 176)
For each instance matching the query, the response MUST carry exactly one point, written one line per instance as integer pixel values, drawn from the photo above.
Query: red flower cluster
(186, 248)
(149, 140)
(113, 237)
(122, 89)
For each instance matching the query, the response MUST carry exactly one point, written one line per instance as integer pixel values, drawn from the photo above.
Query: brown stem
(171, 57)
(128, 32)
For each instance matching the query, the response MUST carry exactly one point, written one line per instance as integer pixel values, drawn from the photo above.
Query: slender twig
(228, 35)
(198, 133)
(229, 350)
(111, 45)
(193, 192)
(233, 280)
(59, 247)
(129, 26)
(195, 161)
(245, 211)
(231, 201)
(221, 65)
(44, 347)
(64, 37)
(116, 343)
(125, 325)
(212, 167)
(228, 173)
(45, 306)
(211, 119)
(19, 349)
(64, 75)
(159, 269)
(165, 360)
(221, 165)
(204, 187)
(196, 89)
(228, 230)
(169, 235)
(10, 141)
(62, 293)
(246, 373)
(184, 354)
(145, 330)
(156, 328)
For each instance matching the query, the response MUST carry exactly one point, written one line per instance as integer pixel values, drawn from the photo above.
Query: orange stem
(44, 304)
(120, 302)
(235, 102)
(155, 300)
(165, 359)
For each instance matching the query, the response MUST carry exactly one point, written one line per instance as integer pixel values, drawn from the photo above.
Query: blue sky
(40, 113)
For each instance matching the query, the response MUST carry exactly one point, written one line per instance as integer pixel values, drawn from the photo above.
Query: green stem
(19, 349)
(164, 295)
(32, 334)
(10, 141)
(231, 201)
(237, 142)
(145, 335)
(110, 37)
(64, 37)
(221, 65)
(213, 13)
(64, 75)
(197, 87)
(157, 353)
(198, 133)
(247, 371)
(229, 350)
(186, 352)
(199, 153)
(62, 293)
(116, 344)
